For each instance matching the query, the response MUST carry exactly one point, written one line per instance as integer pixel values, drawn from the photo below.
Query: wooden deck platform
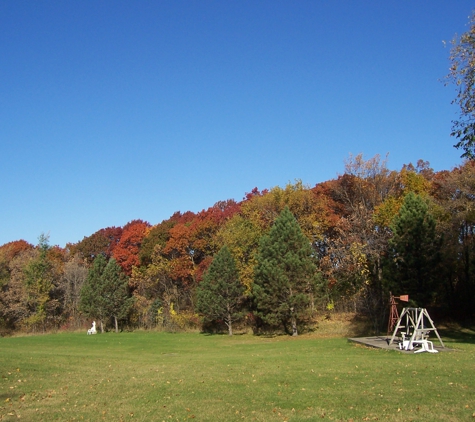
(382, 342)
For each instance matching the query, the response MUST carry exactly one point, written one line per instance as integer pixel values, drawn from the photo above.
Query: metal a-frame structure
(393, 313)
(417, 326)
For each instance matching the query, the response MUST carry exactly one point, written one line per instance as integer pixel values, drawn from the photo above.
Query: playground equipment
(417, 326)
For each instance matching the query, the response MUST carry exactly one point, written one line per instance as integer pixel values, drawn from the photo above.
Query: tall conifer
(115, 292)
(105, 292)
(90, 301)
(221, 292)
(284, 275)
(414, 252)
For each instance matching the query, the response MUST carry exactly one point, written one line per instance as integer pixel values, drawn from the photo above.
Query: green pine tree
(105, 292)
(284, 275)
(220, 294)
(115, 293)
(90, 299)
(414, 252)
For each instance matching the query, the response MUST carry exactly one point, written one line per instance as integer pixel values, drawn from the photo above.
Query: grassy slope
(161, 376)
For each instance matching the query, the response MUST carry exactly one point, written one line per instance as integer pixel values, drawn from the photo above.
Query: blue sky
(117, 110)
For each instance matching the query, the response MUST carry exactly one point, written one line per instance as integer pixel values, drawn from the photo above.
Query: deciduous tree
(126, 252)
(74, 275)
(102, 242)
(41, 279)
(455, 194)
(157, 235)
(14, 309)
(241, 236)
(462, 75)
(352, 260)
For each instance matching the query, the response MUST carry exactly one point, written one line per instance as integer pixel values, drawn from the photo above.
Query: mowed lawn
(151, 376)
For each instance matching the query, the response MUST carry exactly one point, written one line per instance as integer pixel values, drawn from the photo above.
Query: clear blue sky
(117, 110)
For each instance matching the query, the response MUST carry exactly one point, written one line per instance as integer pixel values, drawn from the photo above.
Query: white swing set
(414, 326)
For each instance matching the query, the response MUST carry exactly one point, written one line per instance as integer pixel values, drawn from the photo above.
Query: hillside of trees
(279, 259)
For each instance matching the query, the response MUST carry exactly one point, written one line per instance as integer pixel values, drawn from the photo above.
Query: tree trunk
(102, 327)
(293, 322)
(230, 325)
(116, 325)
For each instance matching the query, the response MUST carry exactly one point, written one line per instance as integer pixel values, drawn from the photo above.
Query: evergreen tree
(414, 252)
(105, 292)
(115, 296)
(284, 275)
(220, 293)
(91, 301)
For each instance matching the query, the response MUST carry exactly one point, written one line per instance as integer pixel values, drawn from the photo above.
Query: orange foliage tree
(126, 252)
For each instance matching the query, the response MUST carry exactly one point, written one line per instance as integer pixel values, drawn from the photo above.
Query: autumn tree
(181, 256)
(454, 191)
(102, 242)
(157, 235)
(220, 294)
(74, 275)
(41, 281)
(351, 259)
(191, 246)
(204, 227)
(262, 208)
(284, 275)
(155, 289)
(416, 179)
(462, 75)
(414, 252)
(126, 252)
(157, 284)
(14, 309)
(241, 236)
(8, 252)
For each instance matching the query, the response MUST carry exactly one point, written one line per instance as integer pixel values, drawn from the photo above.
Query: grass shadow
(457, 333)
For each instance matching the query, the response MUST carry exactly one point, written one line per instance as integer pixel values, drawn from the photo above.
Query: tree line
(276, 260)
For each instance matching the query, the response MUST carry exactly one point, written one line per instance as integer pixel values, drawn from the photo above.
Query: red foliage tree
(126, 252)
(8, 252)
(204, 227)
(12, 249)
(102, 242)
(255, 192)
(192, 241)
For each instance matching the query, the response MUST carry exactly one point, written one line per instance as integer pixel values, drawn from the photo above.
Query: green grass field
(149, 376)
